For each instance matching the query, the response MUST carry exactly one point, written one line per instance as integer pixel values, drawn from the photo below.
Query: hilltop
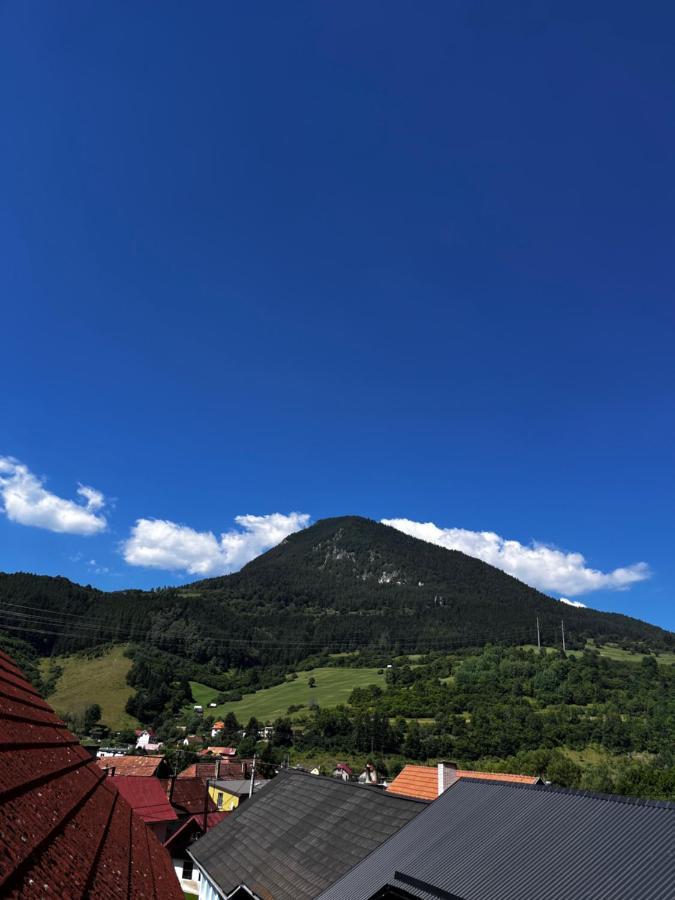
(342, 584)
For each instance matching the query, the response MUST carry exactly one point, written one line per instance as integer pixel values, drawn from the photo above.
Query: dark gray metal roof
(493, 841)
(299, 835)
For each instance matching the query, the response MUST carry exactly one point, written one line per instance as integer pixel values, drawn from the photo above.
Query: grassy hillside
(98, 679)
(618, 654)
(333, 686)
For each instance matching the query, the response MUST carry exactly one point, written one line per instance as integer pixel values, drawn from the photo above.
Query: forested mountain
(341, 584)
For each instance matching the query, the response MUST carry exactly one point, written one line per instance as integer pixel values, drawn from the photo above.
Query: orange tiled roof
(422, 781)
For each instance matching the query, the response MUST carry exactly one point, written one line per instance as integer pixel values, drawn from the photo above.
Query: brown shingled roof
(64, 829)
(422, 781)
(133, 765)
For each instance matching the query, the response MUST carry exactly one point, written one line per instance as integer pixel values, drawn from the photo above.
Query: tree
(283, 733)
(312, 682)
(92, 715)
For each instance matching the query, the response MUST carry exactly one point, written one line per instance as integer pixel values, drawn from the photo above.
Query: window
(219, 800)
(188, 866)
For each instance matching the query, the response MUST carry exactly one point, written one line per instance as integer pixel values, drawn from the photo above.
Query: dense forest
(581, 720)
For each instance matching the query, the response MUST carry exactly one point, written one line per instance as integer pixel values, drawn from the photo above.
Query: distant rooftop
(422, 781)
(146, 766)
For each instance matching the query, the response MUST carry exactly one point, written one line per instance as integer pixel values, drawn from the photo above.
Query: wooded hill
(342, 584)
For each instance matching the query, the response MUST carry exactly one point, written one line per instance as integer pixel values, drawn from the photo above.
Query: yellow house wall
(228, 802)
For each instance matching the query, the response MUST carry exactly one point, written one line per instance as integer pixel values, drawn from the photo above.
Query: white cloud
(95, 499)
(161, 544)
(25, 500)
(576, 603)
(538, 565)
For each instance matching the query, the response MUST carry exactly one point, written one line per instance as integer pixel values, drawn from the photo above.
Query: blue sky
(408, 261)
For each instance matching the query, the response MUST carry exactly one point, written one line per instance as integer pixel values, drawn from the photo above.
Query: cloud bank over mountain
(162, 544)
(539, 565)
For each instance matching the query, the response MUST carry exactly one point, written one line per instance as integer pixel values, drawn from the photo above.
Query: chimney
(447, 775)
(217, 768)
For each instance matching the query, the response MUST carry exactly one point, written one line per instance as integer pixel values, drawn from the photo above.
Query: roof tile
(64, 831)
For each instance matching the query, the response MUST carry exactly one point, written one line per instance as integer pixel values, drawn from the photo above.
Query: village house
(428, 782)
(217, 728)
(65, 830)
(296, 837)
(228, 794)
(483, 840)
(145, 740)
(179, 841)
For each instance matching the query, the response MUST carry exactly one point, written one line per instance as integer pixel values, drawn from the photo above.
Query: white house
(143, 738)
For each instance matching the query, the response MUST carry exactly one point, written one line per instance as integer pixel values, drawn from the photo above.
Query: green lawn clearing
(333, 686)
(99, 679)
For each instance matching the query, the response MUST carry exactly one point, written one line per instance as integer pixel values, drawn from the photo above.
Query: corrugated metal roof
(300, 835)
(486, 840)
(64, 829)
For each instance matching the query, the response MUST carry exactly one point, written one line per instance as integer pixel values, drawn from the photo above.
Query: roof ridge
(575, 792)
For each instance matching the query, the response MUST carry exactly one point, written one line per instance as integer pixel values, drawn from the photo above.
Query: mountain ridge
(343, 583)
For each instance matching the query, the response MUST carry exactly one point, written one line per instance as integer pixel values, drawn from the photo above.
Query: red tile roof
(64, 829)
(228, 768)
(422, 781)
(188, 795)
(132, 765)
(146, 797)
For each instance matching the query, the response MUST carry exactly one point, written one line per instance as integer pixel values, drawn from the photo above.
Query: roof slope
(485, 840)
(299, 835)
(191, 828)
(422, 781)
(146, 797)
(188, 795)
(64, 829)
(132, 765)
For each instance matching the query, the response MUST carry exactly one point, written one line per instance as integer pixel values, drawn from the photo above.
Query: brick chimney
(447, 775)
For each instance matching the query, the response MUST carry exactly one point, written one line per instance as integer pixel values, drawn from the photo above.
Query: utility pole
(562, 627)
(206, 806)
(538, 635)
(252, 784)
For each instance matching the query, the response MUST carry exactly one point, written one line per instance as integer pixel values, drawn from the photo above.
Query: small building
(218, 751)
(369, 775)
(144, 737)
(192, 740)
(180, 840)
(147, 799)
(342, 771)
(228, 794)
